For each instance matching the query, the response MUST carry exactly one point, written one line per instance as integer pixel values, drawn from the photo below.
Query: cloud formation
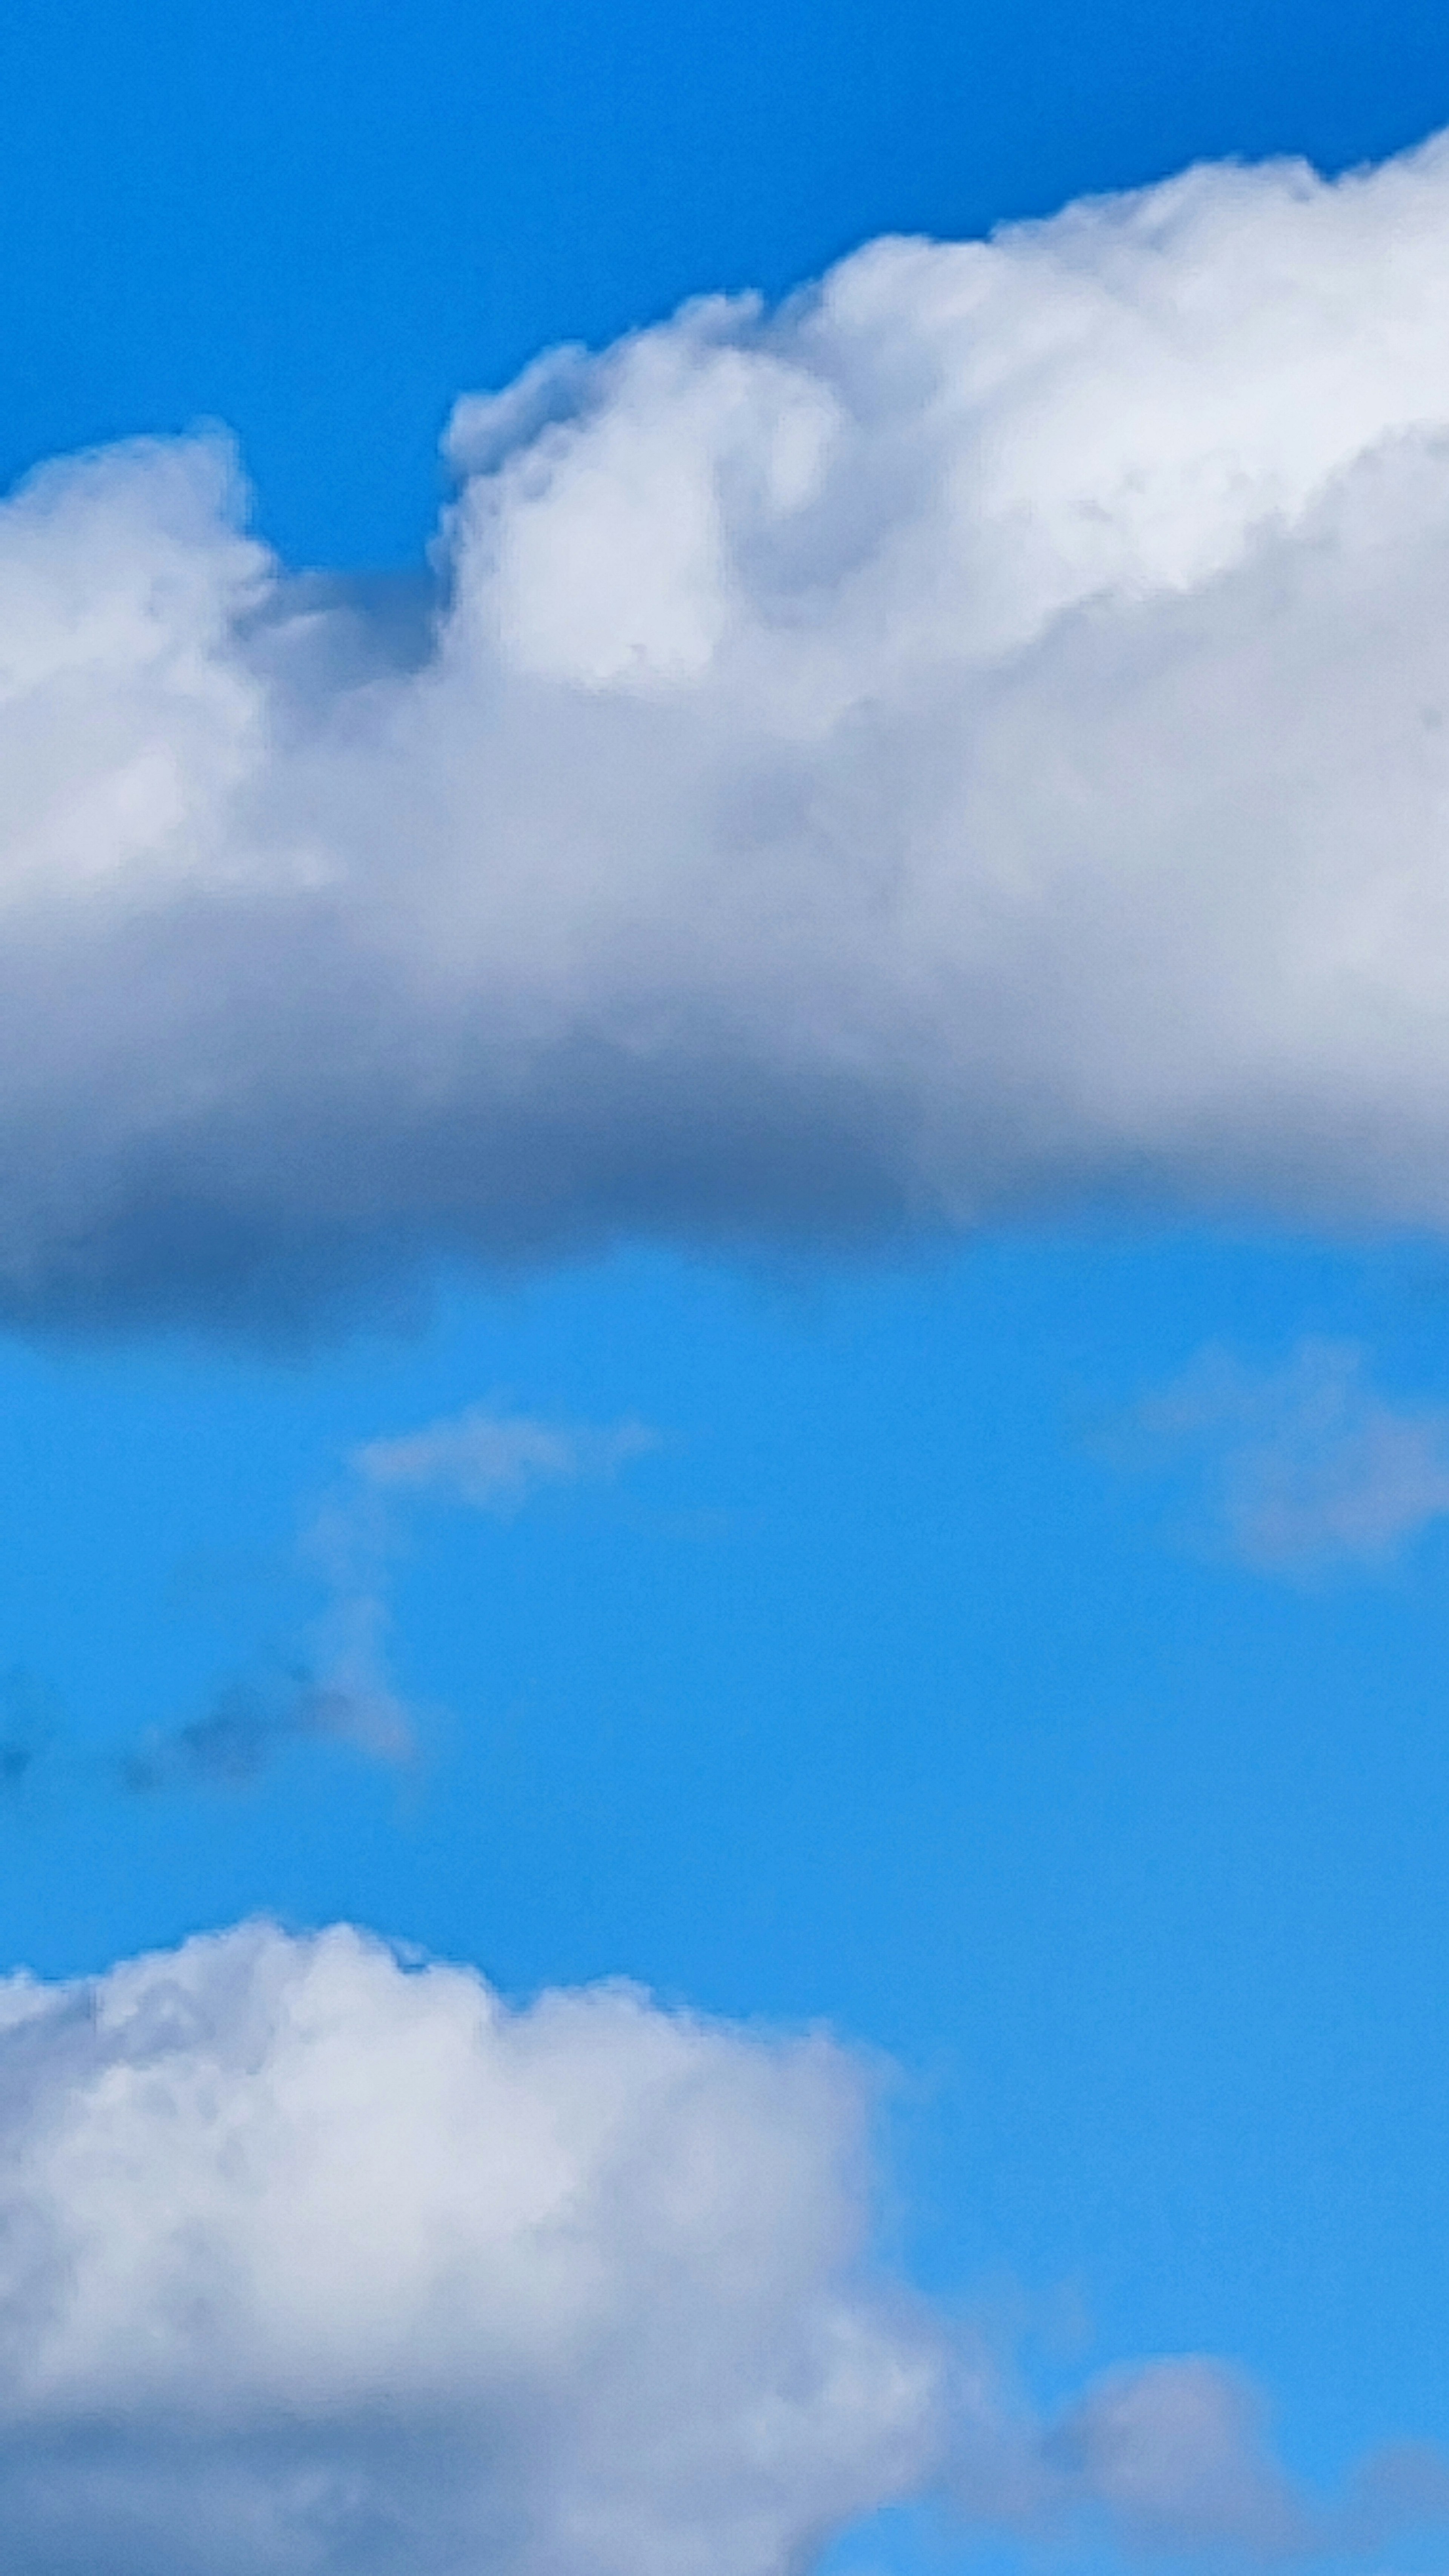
(972, 741)
(308, 2261)
(482, 1459)
(1306, 1467)
(1174, 2455)
(247, 1724)
(311, 2259)
(493, 1461)
(337, 1686)
(332, 1683)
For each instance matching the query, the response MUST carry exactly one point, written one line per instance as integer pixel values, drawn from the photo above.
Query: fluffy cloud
(1306, 1466)
(309, 2262)
(312, 2260)
(973, 740)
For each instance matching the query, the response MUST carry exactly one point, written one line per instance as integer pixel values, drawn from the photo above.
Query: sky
(724, 1303)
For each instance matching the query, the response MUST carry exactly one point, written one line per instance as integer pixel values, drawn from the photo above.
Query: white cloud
(334, 1684)
(311, 2261)
(974, 740)
(307, 2262)
(1307, 1465)
(494, 1461)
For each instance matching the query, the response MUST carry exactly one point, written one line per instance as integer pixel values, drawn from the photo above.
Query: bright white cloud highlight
(973, 740)
(1306, 1466)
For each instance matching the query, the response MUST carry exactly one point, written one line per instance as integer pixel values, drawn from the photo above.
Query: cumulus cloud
(1307, 1466)
(312, 2262)
(311, 2259)
(973, 740)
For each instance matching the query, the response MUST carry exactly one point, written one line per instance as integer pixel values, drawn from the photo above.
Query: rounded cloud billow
(974, 741)
(306, 2260)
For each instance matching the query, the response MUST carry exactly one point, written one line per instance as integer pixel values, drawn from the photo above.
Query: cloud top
(973, 741)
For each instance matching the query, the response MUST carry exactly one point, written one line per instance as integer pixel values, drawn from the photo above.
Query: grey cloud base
(972, 743)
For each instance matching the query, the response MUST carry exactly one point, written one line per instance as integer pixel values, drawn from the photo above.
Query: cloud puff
(1307, 1466)
(313, 2260)
(308, 2261)
(481, 1459)
(1175, 2454)
(972, 741)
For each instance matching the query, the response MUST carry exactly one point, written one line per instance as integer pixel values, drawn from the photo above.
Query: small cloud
(1305, 1467)
(224, 1748)
(29, 1724)
(493, 1462)
(480, 1460)
(1175, 2453)
(247, 1726)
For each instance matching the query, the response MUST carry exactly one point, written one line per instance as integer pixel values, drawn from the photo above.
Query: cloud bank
(973, 741)
(312, 2261)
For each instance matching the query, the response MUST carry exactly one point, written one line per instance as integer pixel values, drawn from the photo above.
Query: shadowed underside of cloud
(973, 741)
(311, 2261)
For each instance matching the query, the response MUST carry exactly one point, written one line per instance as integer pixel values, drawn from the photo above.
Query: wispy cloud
(340, 1688)
(247, 1724)
(1306, 1466)
(493, 1462)
(334, 1684)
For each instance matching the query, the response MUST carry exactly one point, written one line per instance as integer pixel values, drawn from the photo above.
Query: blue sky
(916, 1504)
